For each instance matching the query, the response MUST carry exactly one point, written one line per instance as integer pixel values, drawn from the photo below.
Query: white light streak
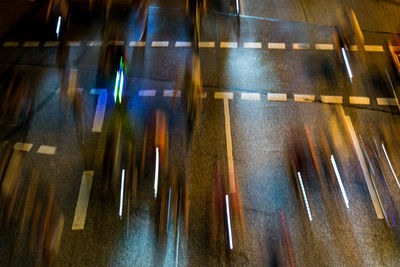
(122, 193)
(156, 174)
(347, 63)
(229, 222)
(169, 204)
(237, 7)
(390, 164)
(346, 201)
(58, 26)
(305, 196)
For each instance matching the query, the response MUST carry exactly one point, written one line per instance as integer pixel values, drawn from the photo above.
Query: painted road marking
(228, 45)
(231, 169)
(10, 44)
(100, 109)
(374, 48)
(116, 43)
(304, 98)
(95, 43)
(48, 150)
(223, 95)
(386, 101)
(331, 99)
(26, 147)
(301, 46)
(276, 46)
(73, 43)
(183, 44)
(170, 93)
(50, 43)
(256, 45)
(31, 44)
(250, 96)
(159, 44)
(324, 46)
(359, 100)
(364, 167)
(83, 201)
(147, 93)
(353, 48)
(277, 97)
(137, 44)
(206, 44)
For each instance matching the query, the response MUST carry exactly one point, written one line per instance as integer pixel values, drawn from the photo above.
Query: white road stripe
(94, 43)
(250, 96)
(50, 43)
(73, 43)
(48, 150)
(26, 147)
(83, 201)
(353, 48)
(304, 98)
(256, 45)
(228, 45)
(147, 93)
(276, 46)
(386, 101)
(137, 44)
(277, 97)
(301, 46)
(324, 46)
(183, 44)
(331, 99)
(223, 95)
(159, 44)
(170, 93)
(359, 100)
(10, 44)
(116, 43)
(100, 109)
(31, 44)
(374, 48)
(206, 44)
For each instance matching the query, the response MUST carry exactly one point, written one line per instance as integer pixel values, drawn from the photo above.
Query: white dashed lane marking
(48, 150)
(73, 43)
(95, 43)
(31, 44)
(206, 44)
(324, 46)
(374, 48)
(256, 45)
(170, 93)
(83, 201)
(331, 99)
(250, 96)
(183, 44)
(386, 101)
(223, 95)
(116, 43)
(276, 46)
(137, 44)
(10, 44)
(228, 45)
(353, 48)
(359, 100)
(159, 44)
(50, 44)
(304, 98)
(147, 93)
(301, 46)
(277, 97)
(26, 147)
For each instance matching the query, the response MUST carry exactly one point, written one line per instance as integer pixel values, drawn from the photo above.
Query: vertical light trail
(116, 87)
(121, 200)
(237, 7)
(121, 86)
(346, 201)
(390, 164)
(169, 204)
(156, 174)
(305, 196)
(229, 222)
(347, 64)
(58, 26)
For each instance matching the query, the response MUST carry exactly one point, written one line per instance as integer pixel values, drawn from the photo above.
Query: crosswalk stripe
(137, 44)
(324, 46)
(250, 96)
(359, 100)
(206, 44)
(304, 98)
(382, 101)
(31, 44)
(26, 147)
(147, 93)
(256, 45)
(331, 99)
(276, 46)
(83, 201)
(301, 46)
(159, 44)
(374, 48)
(277, 97)
(49, 150)
(183, 44)
(228, 45)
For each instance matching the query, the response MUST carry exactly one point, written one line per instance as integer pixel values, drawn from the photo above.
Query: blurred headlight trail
(228, 216)
(121, 200)
(303, 191)
(390, 164)
(347, 64)
(156, 174)
(346, 201)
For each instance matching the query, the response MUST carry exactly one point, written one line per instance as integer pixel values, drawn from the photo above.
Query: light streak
(229, 222)
(116, 87)
(121, 86)
(169, 204)
(390, 164)
(58, 26)
(346, 201)
(237, 7)
(347, 63)
(122, 193)
(156, 174)
(305, 196)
